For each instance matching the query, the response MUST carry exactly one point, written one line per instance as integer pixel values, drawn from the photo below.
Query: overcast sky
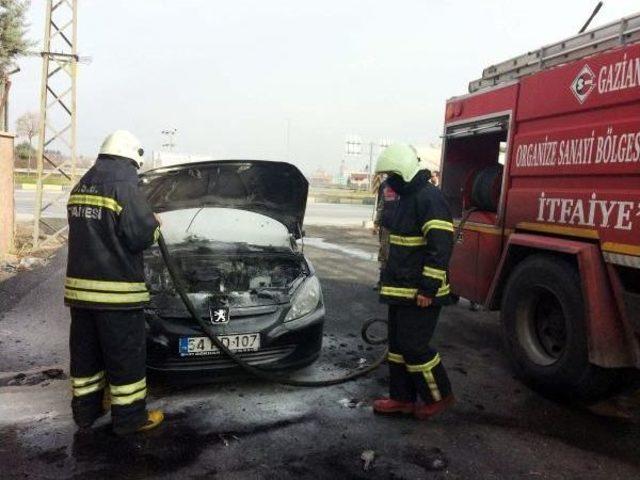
(230, 75)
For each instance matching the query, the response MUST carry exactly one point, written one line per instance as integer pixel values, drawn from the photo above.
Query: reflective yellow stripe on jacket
(101, 291)
(407, 241)
(101, 297)
(95, 201)
(441, 275)
(398, 292)
(437, 225)
(410, 293)
(442, 291)
(435, 273)
(106, 286)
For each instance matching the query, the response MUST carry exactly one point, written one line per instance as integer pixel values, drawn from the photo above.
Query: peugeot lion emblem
(218, 314)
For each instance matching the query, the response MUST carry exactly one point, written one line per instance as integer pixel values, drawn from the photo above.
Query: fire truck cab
(541, 167)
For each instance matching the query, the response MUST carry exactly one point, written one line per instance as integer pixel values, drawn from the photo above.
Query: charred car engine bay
(232, 279)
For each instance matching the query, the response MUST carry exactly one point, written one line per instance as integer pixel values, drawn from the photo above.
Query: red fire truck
(541, 166)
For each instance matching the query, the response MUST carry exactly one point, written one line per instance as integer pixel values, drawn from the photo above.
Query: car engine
(226, 274)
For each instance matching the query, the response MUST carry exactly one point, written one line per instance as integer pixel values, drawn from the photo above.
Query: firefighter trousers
(108, 349)
(415, 368)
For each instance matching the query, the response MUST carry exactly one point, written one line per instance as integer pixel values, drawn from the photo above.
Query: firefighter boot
(106, 407)
(154, 418)
(86, 415)
(426, 411)
(386, 406)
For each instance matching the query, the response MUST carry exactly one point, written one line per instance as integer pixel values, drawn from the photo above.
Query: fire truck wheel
(544, 331)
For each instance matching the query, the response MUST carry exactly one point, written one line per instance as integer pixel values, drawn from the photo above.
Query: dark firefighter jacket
(421, 243)
(110, 224)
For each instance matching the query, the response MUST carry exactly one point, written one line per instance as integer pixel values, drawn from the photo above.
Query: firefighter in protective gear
(415, 285)
(110, 224)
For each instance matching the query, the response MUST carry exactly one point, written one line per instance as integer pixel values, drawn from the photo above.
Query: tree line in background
(27, 126)
(13, 43)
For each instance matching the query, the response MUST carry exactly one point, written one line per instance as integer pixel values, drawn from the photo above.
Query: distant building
(358, 180)
(320, 178)
(354, 173)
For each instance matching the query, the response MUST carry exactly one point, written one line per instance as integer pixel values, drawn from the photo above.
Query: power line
(170, 133)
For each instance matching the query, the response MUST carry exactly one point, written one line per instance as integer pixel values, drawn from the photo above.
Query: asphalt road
(246, 429)
(24, 201)
(317, 213)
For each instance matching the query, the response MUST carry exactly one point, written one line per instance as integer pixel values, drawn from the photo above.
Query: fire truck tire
(544, 331)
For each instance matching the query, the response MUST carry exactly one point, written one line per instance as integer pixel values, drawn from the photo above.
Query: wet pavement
(245, 429)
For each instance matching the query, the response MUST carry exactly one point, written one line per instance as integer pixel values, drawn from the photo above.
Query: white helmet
(123, 144)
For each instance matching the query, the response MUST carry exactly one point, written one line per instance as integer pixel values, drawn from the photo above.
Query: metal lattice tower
(57, 133)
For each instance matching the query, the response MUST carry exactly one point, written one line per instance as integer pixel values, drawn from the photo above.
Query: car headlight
(306, 299)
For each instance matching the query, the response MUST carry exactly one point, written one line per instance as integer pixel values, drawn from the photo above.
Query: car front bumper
(283, 345)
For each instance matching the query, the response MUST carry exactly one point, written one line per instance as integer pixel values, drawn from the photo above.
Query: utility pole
(353, 147)
(382, 144)
(170, 133)
(57, 128)
(287, 138)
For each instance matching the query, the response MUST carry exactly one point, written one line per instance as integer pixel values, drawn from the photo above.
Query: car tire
(545, 334)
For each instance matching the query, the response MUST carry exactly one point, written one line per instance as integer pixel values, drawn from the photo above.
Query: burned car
(232, 228)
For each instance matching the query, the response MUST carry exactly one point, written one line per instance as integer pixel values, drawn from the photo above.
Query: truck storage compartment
(473, 163)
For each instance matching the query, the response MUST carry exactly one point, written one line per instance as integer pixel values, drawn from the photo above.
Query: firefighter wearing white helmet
(123, 144)
(110, 225)
(415, 285)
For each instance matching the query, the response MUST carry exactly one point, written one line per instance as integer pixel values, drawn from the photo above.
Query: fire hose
(260, 372)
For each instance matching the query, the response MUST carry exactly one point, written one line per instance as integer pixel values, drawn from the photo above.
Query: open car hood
(275, 189)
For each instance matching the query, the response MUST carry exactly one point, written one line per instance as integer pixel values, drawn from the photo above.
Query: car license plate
(244, 342)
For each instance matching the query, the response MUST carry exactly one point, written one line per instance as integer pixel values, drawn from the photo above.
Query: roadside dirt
(24, 257)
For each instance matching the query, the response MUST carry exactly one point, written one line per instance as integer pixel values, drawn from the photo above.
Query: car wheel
(544, 330)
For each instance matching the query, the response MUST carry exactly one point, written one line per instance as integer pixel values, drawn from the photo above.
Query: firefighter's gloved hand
(423, 301)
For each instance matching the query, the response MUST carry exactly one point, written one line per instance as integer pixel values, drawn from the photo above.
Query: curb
(340, 200)
(46, 187)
